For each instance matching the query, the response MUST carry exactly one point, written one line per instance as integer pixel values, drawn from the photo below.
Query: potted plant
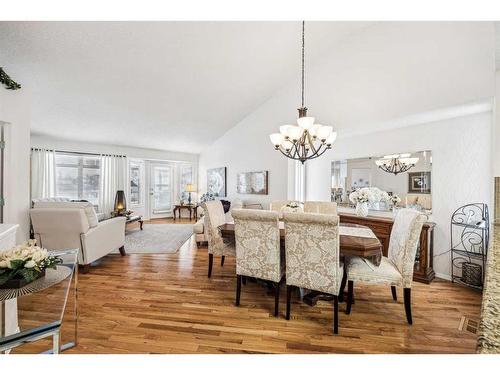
(23, 264)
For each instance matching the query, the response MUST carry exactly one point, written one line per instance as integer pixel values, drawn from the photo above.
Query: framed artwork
(216, 181)
(419, 182)
(360, 178)
(252, 183)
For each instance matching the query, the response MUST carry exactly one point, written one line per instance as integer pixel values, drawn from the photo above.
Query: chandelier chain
(303, 46)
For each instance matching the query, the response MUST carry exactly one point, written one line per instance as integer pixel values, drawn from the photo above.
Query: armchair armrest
(109, 235)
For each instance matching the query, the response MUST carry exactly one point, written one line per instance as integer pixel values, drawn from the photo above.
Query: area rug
(157, 238)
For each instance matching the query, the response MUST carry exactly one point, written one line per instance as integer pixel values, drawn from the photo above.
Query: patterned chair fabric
(214, 217)
(403, 246)
(258, 244)
(312, 252)
(316, 207)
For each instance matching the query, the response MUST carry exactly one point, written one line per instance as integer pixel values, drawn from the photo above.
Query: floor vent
(468, 325)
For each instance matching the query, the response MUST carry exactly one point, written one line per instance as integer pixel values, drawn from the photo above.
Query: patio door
(160, 190)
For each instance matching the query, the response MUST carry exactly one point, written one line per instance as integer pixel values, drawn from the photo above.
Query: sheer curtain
(43, 173)
(113, 174)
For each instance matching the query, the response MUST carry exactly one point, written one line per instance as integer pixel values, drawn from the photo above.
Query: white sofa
(199, 227)
(69, 225)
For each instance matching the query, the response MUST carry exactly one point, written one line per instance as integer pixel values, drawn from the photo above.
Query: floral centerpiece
(24, 263)
(367, 196)
(395, 200)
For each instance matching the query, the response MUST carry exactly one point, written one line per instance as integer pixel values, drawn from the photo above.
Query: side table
(190, 207)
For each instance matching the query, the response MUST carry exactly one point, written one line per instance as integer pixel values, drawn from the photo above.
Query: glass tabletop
(39, 306)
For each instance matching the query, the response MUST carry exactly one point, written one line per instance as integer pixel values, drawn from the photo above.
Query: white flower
(30, 264)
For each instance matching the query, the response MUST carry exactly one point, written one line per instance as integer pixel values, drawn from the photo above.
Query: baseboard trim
(443, 276)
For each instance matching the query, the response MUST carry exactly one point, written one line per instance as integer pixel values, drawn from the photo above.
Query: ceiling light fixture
(306, 140)
(397, 163)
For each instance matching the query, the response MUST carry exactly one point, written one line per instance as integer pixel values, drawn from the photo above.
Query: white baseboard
(443, 276)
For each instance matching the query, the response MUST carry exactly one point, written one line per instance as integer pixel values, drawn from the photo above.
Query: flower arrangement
(369, 195)
(25, 263)
(395, 200)
(292, 207)
(363, 195)
(207, 197)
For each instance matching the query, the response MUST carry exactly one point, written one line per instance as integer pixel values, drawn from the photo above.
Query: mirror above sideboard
(407, 175)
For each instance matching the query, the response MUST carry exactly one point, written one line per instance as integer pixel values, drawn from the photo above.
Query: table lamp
(190, 189)
(120, 202)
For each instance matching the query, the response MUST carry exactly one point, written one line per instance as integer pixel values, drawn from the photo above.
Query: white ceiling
(165, 85)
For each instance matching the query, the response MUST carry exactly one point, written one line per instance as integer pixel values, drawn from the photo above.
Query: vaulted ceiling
(165, 85)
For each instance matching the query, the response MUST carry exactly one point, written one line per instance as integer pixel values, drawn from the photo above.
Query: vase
(362, 209)
(19, 282)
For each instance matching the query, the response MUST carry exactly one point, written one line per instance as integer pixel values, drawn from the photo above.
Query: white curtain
(113, 174)
(43, 173)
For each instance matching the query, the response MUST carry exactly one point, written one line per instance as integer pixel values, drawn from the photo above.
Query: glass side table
(36, 311)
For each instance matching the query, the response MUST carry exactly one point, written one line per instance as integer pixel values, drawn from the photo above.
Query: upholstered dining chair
(312, 256)
(217, 245)
(317, 207)
(258, 252)
(397, 268)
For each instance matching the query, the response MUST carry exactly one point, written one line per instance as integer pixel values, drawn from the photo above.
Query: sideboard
(382, 226)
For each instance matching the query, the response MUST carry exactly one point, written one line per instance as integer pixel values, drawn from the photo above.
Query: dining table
(355, 240)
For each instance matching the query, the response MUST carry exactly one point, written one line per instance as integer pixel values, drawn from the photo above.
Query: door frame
(149, 193)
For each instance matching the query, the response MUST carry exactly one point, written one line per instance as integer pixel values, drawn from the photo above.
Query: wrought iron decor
(470, 234)
(9, 83)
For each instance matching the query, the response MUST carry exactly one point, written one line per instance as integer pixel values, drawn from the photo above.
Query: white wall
(461, 167)
(391, 70)
(15, 109)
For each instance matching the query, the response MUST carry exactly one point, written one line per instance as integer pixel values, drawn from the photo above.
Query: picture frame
(217, 182)
(253, 183)
(419, 182)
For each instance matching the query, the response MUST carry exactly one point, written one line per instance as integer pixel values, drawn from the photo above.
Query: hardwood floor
(166, 304)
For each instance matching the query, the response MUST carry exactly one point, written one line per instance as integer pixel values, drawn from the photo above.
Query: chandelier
(397, 163)
(306, 140)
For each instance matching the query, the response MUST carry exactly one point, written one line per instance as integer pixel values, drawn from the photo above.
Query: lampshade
(295, 132)
(190, 188)
(305, 122)
(120, 201)
(324, 132)
(276, 138)
(331, 138)
(284, 130)
(313, 130)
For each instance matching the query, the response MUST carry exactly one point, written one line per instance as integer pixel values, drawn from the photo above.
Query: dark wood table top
(349, 245)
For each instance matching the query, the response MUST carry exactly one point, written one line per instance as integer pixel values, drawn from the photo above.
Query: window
(135, 173)
(78, 176)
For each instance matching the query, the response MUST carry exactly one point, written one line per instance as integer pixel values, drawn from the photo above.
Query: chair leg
(85, 268)
(335, 314)
(407, 298)
(288, 300)
(244, 280)
(210, 264)
(277, 298)
(238, 289)
(222, 261)
(350, 292)
(394, 293)
(342, 286)
(122, 251)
